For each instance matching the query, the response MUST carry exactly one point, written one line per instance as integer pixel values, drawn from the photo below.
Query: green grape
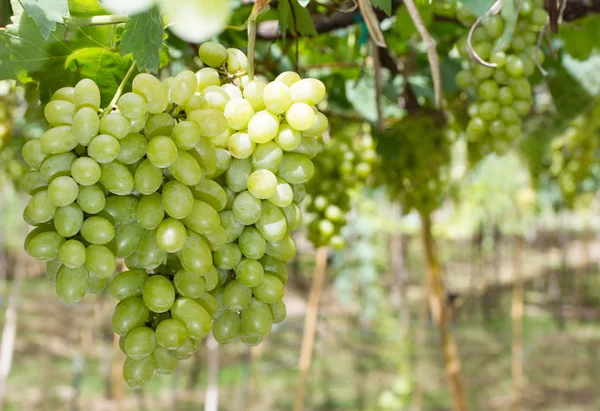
(287, 138)
(489, 110)
(299, 192)
(195, 318)
(159, 125)
(505, 96)
(253, 93)
(33, 154)
(171, 334)
(509, 115)
(120, 209)
(522, 107)
(293, 216)
(196, 102)
(236, 296)
(85, 171)
(514, 66)
(68, 220)
(150, 255)
(257, 320)
(497, 128)
(104, 148)
(32, 182)
(233, 227)
(252, 243)
(59, 112)
(150, 212)
(212, 54)
(62, 191)
(240, 145)
(86, 94)
(164, 362)
(91, 199)
(236, 60)
(267, 156)
(133, 148)
(488, 90)
(222, 162)
(216, 238)
(262, 184)
(211, 277)
(152, 90)
(114, 124)
(288, 78)
(211, 193)
(300, 116)
(187, 349)
(207, 77)
(191, 285)
(309, 147)
(57, 165)
(211, 121)
(117, 178)
(97, 230)
(96, 285)
(249, 272)
(140, 343)
(228, 256)
(238, 113)
(128, 284)
(263, 126)
(40, 208)
(132, 105)
(476, 127)
(86, 125)
(137, 373)
(202, 219)
(309, 91)
(247, 208)
(226, 327)
(100, 261)
(283, 196)
(183, 87)
(279, 311)
(277, 97)
(177, 199)
(158, 294)
(64, 93)
(52, 268)
(147, 178)
(58, 140)
(296, 168)
(320, 126)
(185, 134)
(271, 224)
(216, 97)
(71, 284)
(171, 235)
(283, 249)
(72, 253)
(161, 151)
(195, 256)
(205, 154)
(186, 169)
(237, 175)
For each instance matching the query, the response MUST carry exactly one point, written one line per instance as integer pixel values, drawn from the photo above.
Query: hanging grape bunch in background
(500, 82)
(195, 181)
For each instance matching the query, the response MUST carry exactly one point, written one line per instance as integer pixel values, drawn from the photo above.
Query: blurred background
(511, 234)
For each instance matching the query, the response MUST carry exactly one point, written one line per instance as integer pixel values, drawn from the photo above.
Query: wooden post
(517, 310)
(439, 311)
(310, 325)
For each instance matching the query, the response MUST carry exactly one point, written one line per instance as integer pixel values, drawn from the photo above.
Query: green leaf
(404, 23)
(581, 38)
(284, 16)
(85, 8)
(142, 38)
(510, 15)
(46, 13)
(27, 57)
(301, 20)
(478, 7)
(385, 5)
(106, 68)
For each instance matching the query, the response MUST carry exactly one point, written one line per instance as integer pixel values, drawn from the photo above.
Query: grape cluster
(503, 95)
(343, 165)
(195, 182)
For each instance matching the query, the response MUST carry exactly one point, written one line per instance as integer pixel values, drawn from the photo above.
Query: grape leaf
(385, 5)
(478, 7)
(86, 8)
(301, 20)
(27, 57)
(105, 67)
(284, 16)
(581, 40)
(46, 13)
(143, 38)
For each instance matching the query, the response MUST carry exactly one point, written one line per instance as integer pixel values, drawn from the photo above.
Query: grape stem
(256, 9)
(495, 9)
(119, 91)
(95, 20)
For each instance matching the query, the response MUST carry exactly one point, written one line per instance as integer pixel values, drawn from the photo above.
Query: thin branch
(372, 22)
(119, 91)
(537, 50)
(256, 9)
(95, 20)
(377, 74)
(432, 55)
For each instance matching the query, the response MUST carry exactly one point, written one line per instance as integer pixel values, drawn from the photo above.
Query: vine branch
(119, 91)
(256, 9)
(432, 55)
(95, 20)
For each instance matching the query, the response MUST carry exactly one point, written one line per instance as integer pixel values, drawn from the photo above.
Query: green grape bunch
(415, 160)
(503, 94)
(343, 165)
(195, 182)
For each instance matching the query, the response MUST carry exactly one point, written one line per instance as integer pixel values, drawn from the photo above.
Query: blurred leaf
(449, 68)
(581, 38)
(404, 24)
(143, 38)
(385, 5)
(46, 13)
(478, 7)
(85, 7)
(284, 16)
(302, 22)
